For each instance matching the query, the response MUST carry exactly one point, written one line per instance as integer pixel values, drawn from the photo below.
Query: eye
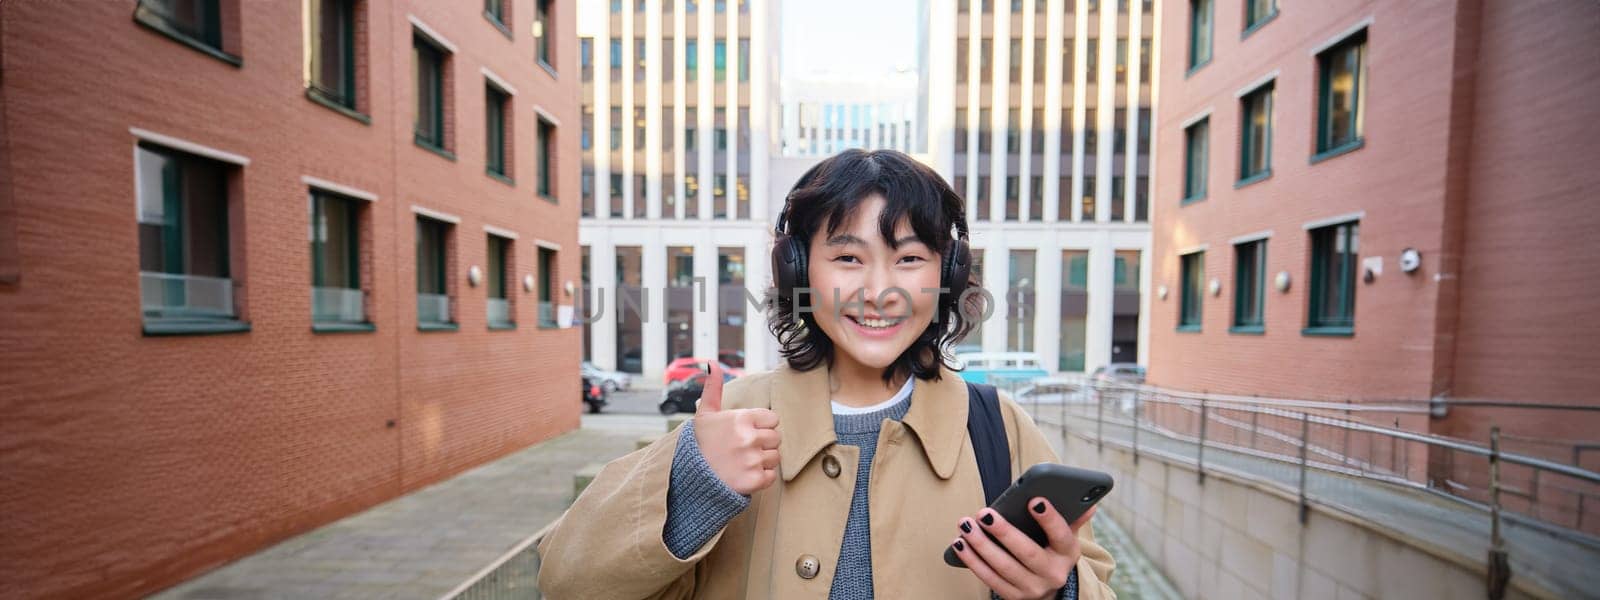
(912, 259)
(846, 258)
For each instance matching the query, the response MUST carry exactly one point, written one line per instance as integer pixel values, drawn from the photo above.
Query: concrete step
(675, 420)
(581, 479)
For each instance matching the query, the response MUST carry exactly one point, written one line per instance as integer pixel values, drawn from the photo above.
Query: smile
(877, 325)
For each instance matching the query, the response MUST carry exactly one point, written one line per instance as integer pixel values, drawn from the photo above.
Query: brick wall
(134, 462)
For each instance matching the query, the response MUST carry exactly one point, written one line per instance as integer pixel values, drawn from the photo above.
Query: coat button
(807, 566)
(830, 465)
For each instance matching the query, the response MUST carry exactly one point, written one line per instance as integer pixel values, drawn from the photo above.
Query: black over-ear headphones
(789, 253)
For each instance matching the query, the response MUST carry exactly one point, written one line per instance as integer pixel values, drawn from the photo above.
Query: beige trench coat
(924, 479)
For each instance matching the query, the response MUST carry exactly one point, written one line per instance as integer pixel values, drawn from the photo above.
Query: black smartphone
(1070, 490)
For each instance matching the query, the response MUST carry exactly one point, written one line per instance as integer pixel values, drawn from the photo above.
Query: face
(880, 307)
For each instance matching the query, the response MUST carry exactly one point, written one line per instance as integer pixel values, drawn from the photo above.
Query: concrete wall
(1229, 538)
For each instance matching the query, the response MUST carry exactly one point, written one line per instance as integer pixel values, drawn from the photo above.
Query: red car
(683, 368)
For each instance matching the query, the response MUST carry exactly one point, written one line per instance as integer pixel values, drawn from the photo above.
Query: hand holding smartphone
(1071, 491)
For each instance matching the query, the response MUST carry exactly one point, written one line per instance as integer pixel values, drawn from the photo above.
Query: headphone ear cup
(956, 269)
(788, 265)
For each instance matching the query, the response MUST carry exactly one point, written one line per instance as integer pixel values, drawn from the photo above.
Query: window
(547, 279)
(1192, 273)
(1038, 55)
(1258, 12)
(195, 23)
(1255, 136)
(499, 312)
(586, 56)
(1036, 199)
(616, 195)
(616, 128)
(1091, 66)
(1194, 161)
(962, 47)
(543, 35)
(1333, 279)
(184, 271)
(690, 126)
(616, 59)
(588, 191)
(1118, 185)
(1249, 286)
(983, 198)
(638, 128)
(1122, 60)
(1013, 131)
(1036, 132)
(547, 157)
(1090, 208)
(961, 130)
(1199, 33)
(429, 61)
(1091, 134)
(586, 134)
(668, 64)
(331, 55)
(495, 101)
(985, 58)
(1119, 131)
(720, 130)
(638, 60)
(720, 57)
(1012, 192)
(984, 142)
(336, 291)
(691, 58)
(1067, 67)
(1342, 77)
(1016, 60)
(744, 58)
(495, 11)
(433, 296)
(1144, 62)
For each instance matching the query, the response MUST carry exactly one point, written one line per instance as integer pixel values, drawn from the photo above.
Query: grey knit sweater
(699, 504)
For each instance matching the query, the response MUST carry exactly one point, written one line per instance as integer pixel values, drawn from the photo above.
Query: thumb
(711, 398)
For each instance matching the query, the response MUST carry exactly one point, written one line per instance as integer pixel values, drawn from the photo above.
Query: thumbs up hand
(741, 445)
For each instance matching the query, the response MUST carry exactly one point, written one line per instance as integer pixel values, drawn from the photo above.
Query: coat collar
(938, 417)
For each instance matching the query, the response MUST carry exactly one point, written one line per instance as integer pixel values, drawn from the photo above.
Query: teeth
(877, 323)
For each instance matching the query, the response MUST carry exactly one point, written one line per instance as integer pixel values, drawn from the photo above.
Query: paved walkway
(1135, 578)
(1561, 564)
(424, 544)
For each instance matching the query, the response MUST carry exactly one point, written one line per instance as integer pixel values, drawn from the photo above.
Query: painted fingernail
(965, 526)
(1038, 507)
(987, 518)
(960, 546)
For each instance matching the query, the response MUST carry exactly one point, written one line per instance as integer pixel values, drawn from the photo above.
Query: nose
(883, 295)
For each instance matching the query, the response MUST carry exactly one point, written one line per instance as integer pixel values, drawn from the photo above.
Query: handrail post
(1499, 571)
(1099, 417)
(1200, 453)
(1305, 442)
(1254, 414)
(1136, 407)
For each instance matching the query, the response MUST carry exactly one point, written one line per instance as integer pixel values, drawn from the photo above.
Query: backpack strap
(987, 430)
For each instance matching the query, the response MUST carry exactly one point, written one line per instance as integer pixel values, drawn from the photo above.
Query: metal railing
(1282, 441)
(1334, 437)
(342, 305)
(513, 576)
(178, 295)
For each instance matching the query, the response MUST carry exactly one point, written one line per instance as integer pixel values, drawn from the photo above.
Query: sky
(848, 39)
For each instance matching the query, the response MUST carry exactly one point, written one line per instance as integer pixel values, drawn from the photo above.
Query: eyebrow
(845, 239)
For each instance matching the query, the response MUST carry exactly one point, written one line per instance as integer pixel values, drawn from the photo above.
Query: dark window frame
(1353, 49)
(1202, 13)
(430, 56)
(1249, 287)
(496, 131)
(1196, 159)
(1331, 268)
(1191, 291)
(1259, 100)
(206, 35)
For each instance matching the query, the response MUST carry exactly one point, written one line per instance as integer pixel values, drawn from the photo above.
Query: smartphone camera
(1094, 493)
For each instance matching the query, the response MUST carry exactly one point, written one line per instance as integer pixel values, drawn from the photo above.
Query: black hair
(829, 194)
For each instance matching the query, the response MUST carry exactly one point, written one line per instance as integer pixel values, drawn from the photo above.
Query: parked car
(681, 396)
(610, 380)
(734, 358)
(682, 368)
(1120, 373)
(594, 394)
(999, 367)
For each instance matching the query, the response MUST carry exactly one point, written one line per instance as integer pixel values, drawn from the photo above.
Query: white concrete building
(678, 129)
(1059, 213)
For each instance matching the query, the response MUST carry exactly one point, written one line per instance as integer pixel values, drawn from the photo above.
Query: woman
(847, 471)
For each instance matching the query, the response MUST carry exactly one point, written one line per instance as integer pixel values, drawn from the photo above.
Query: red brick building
(1419, 175)
(185, 378)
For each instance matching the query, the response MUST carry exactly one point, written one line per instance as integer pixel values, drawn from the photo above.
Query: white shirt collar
(904, 393)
